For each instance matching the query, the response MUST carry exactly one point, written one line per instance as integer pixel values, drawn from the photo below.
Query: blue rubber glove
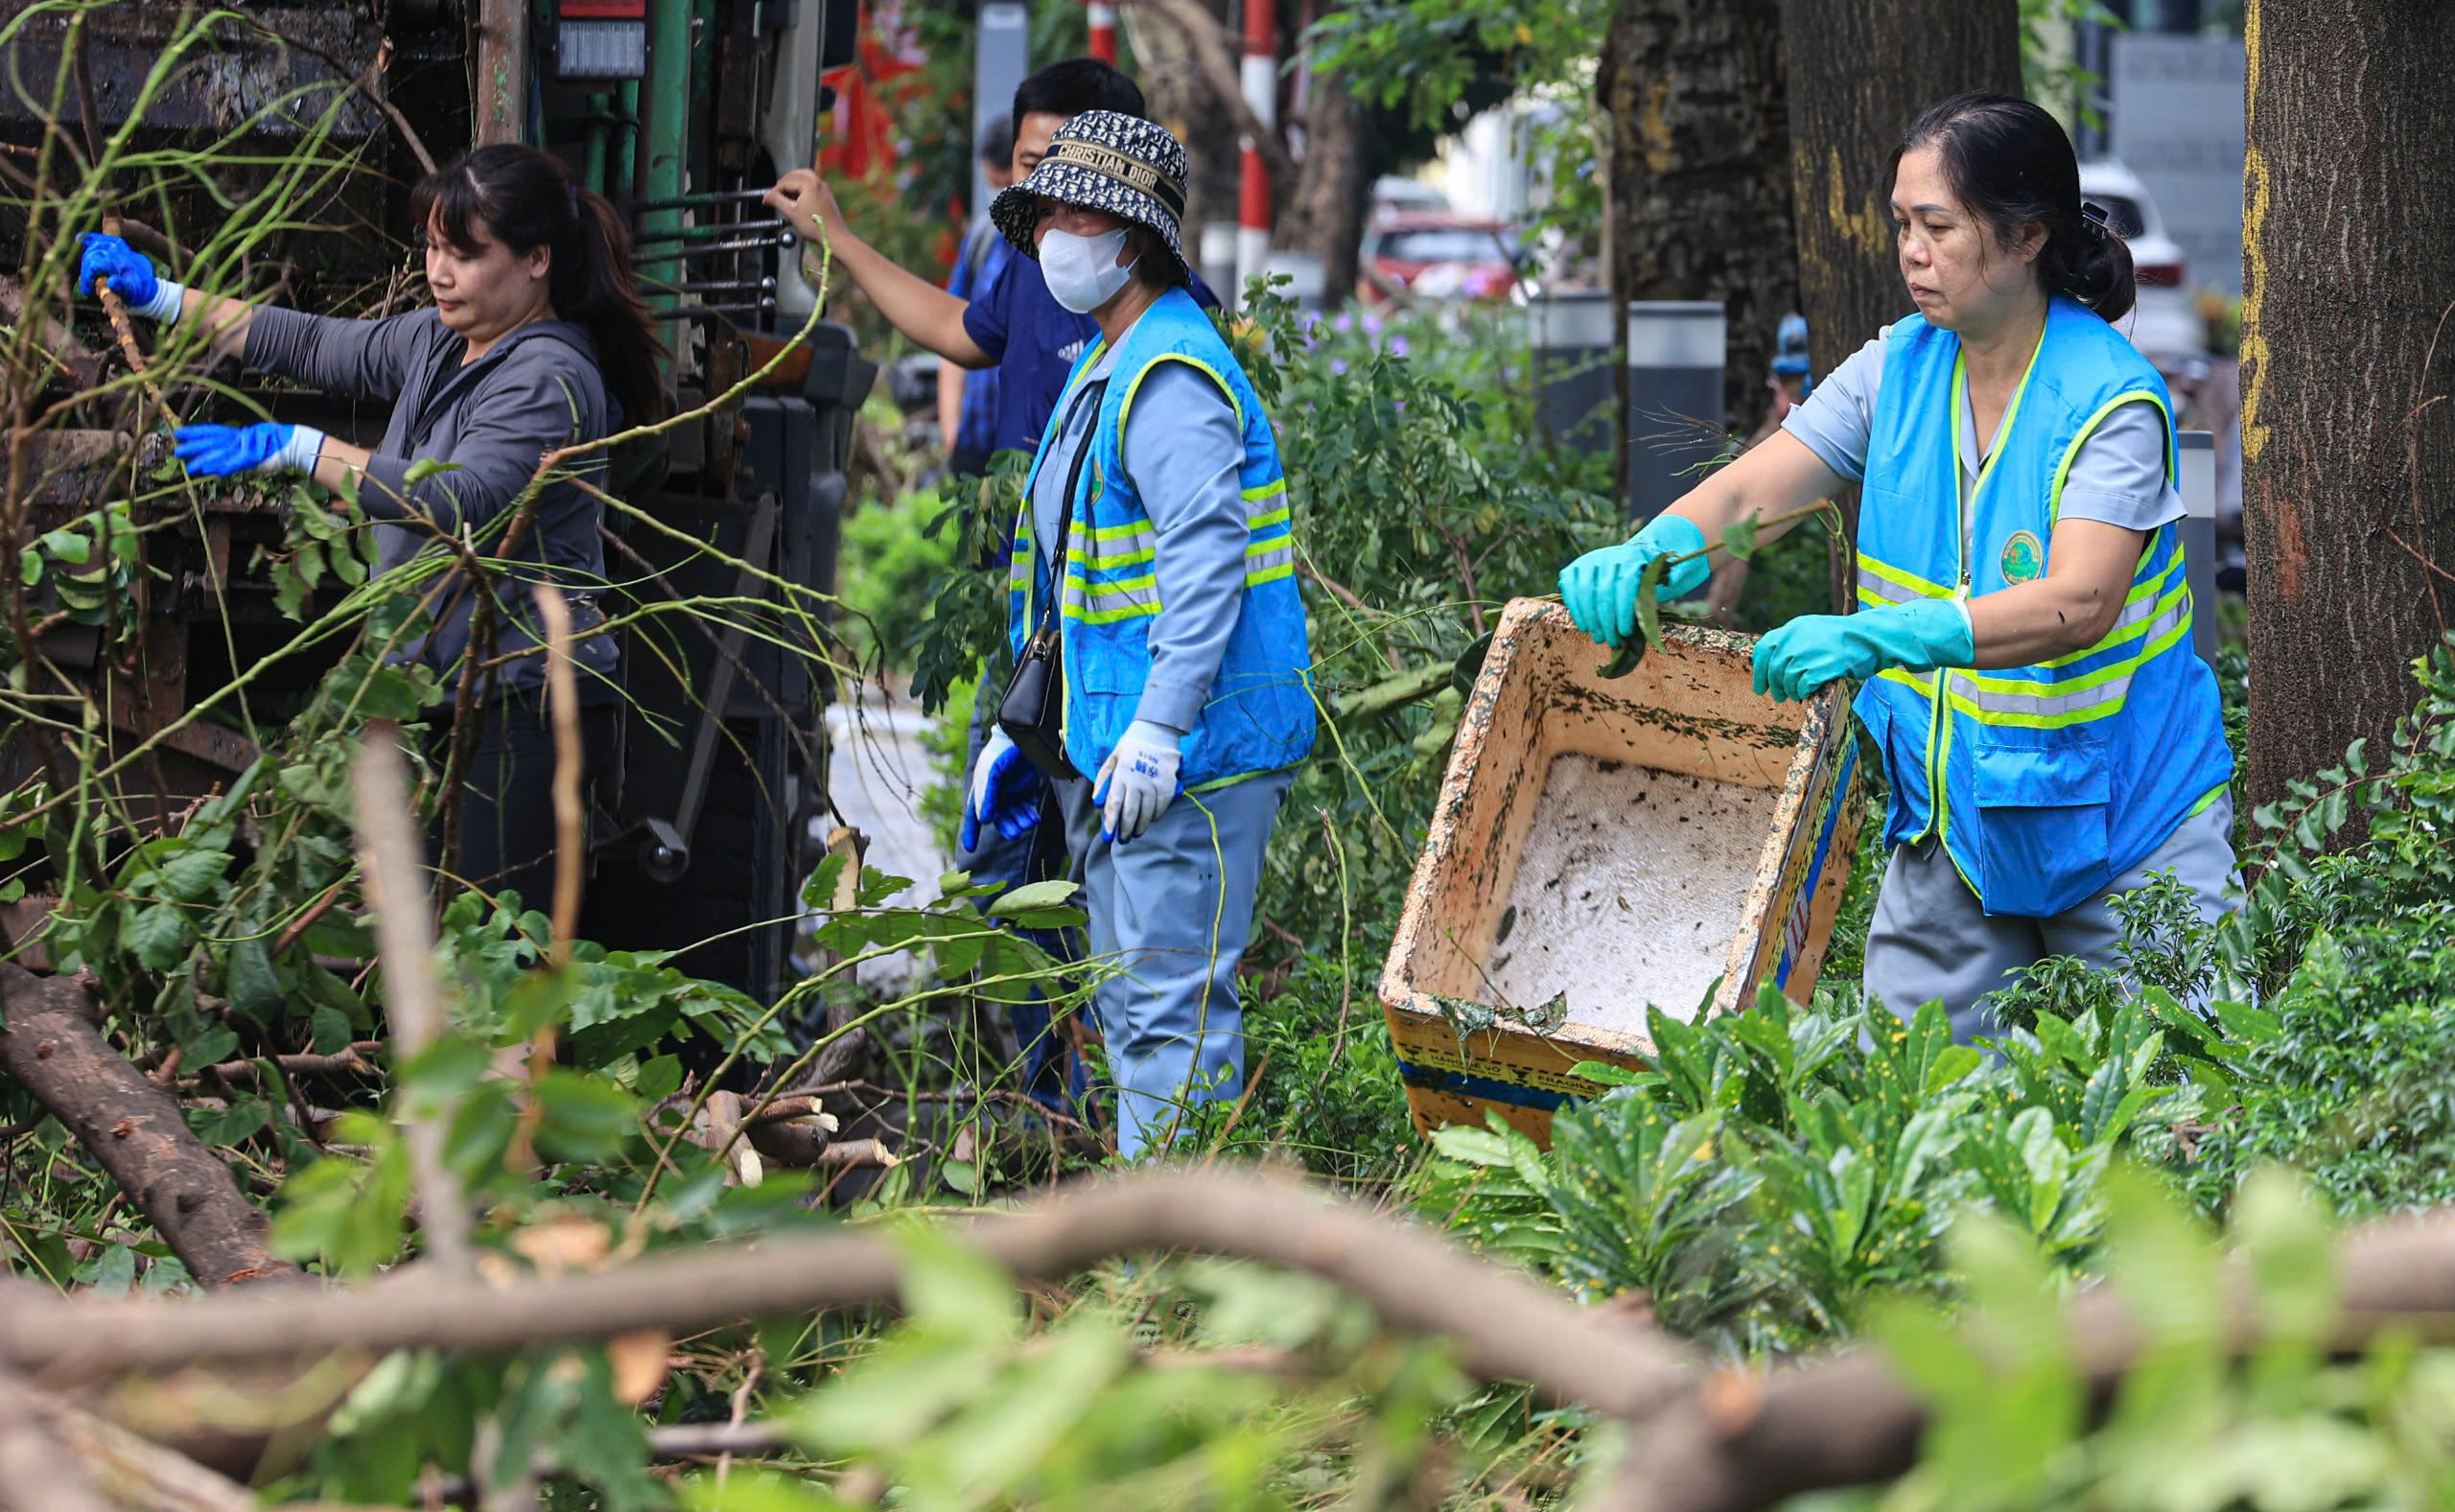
(1601, 587)
(1138, 781)
(219, 451)
(1007, 793)
(108, 260)
(1812, 650)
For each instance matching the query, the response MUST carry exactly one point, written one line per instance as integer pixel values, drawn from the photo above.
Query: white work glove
(1137, 781)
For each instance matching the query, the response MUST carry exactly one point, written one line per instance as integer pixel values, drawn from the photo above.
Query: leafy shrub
(890, 555)
(1778, 1170)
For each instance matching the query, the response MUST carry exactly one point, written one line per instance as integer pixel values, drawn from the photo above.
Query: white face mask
(1082, 270)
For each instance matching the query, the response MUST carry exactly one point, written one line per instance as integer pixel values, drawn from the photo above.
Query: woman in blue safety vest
(1155, 540)
(2022, 634)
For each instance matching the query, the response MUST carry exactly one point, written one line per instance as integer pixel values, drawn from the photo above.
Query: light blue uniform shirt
(2117, 477)
(1183, 447)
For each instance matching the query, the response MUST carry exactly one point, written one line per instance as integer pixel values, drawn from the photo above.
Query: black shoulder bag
(1033, 711)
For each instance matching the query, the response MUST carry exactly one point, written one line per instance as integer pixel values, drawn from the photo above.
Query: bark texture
(1180, 50)
(1860, 72)
(1700, 172)
(133, 1126)
(2347, 453)
(1333, 190)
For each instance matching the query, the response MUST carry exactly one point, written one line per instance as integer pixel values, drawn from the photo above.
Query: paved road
(877, 772)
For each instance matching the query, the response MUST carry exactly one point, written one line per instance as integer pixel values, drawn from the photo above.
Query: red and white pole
(1260, 77)
(1102, 32)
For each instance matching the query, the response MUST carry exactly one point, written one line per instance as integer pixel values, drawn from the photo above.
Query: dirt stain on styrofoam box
(1632, 887)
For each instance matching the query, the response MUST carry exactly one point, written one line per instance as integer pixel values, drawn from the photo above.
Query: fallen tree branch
(388, 858)
(52, 1046)
(1507, 1326)
(1737, 1442)
(352, 1058)
(120, 1468)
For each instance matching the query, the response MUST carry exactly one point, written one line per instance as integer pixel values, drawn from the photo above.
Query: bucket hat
(1103, 160)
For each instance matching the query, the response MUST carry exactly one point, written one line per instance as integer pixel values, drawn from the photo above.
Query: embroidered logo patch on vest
(2024, 557)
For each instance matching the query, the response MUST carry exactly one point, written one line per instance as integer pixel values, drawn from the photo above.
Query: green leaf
(1739, 538)
(330, 1031)
(113, 1272)
(658, 1078)
(157, 936)
(253, 986)
(68, 546)
(1034, 896)
(583, 1117)
(189, 874)
(1649, 607)
(30, 568)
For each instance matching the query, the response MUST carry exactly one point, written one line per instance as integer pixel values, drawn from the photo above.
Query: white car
(2165, 323)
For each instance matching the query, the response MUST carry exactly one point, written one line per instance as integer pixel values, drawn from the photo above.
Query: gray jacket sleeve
(354, 359)
(1183, 448)
(507, 423)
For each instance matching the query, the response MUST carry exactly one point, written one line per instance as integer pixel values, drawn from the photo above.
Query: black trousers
(506, 836)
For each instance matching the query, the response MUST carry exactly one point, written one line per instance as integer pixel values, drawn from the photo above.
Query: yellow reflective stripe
(2146, 619)
(1272, 574)
(1869, 566)
(1111, 616)
(2208, 797)
(2100, 694)
(1132, 527)
(1125, 405)
(2063, 470)
(1263, 522)
(1268, 490)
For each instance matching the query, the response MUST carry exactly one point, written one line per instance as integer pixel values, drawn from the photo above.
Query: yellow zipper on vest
(1939, 730)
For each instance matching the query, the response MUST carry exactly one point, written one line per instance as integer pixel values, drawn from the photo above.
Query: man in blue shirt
(968, 401)
(1010, 322)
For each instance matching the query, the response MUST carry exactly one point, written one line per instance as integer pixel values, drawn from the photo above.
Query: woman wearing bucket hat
(1154, 555)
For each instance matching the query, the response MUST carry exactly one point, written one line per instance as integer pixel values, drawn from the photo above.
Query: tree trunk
(1181, 99)
(2347, 458)
(133, 1126)
(1700, 173)
(1860, 72)
(1325, 214)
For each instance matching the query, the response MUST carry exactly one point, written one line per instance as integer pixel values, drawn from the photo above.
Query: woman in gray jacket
(537, 341)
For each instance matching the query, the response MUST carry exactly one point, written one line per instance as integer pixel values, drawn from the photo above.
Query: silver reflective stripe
(2113, 690)
(1281, 556)
(1884, 590)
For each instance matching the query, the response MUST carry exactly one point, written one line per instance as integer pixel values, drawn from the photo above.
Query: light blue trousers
(1171, 910)
(1931, 941)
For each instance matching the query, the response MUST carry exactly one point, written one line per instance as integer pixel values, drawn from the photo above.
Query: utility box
(1666, 837)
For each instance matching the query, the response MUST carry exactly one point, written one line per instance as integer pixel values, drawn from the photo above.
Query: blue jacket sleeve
(1185, 449)
(985, 317)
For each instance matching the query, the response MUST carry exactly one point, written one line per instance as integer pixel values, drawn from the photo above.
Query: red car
(1441, 255)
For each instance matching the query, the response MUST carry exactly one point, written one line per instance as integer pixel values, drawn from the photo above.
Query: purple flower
(1345, 323)
(1398, 404)
(1399, 346)
(1337, 367)
(1372, 323)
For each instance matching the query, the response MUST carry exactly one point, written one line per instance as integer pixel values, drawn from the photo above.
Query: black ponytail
(523, 199)
(2012, 165)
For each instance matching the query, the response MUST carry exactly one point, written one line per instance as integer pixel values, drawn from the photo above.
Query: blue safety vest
(1259, 718)
(2058, 778)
